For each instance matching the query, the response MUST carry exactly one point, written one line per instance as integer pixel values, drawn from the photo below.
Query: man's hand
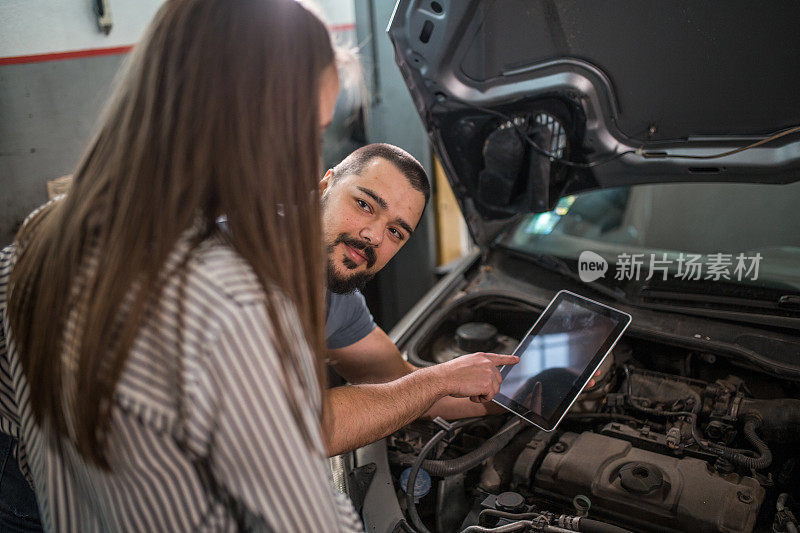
(474, 376)
(392, 392)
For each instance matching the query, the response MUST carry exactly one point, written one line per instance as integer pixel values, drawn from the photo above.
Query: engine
(667, 440)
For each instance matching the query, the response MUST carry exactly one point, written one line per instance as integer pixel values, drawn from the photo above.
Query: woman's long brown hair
(217, 113)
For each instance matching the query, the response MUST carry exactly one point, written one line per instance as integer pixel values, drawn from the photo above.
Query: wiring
(640, 151)
(663, 155)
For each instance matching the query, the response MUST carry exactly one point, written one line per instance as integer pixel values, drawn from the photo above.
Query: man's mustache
(363, 247)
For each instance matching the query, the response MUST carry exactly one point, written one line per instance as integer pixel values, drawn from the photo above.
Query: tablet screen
(558, 356)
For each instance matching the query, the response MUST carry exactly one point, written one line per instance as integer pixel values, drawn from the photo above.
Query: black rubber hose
(764, 457)
(472, 459)
(411, 506)
(507, 528)
(780, 418)
(587, 525)
(508, 516)
(555, 529)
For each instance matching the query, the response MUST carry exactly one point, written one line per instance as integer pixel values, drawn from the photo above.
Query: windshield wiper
(790, 302)
(559, 266)
(771, 309)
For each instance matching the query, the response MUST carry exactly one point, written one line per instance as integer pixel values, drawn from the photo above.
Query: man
(372, 202)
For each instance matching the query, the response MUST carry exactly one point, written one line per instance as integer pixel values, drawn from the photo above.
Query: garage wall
(48, 104)
(32, 27)
(394, 119)
(50, 26)
(52, 87)
(47, 111)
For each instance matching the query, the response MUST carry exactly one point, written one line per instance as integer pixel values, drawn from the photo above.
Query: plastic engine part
(644, 489)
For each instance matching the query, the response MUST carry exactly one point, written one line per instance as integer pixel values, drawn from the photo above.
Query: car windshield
(733, 233)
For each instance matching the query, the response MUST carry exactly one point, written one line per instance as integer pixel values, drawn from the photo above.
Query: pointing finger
(498, 359)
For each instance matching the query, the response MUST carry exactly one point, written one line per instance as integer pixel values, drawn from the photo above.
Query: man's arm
(373, 359)
(366, 412)
(360, 414)
(376, 359)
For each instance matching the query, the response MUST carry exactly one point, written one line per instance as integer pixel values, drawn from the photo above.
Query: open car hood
(527, 101)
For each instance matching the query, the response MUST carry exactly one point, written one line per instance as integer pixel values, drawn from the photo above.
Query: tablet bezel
(623, 320)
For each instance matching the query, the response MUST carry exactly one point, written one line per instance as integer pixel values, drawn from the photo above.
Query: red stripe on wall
(57, 56)
(342, 27)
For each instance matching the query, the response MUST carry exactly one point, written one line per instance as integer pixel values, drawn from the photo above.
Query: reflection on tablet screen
(553, 360)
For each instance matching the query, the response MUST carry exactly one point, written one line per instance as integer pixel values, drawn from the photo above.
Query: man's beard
(345, 284)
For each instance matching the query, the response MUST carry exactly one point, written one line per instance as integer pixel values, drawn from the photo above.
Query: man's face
(367, 218)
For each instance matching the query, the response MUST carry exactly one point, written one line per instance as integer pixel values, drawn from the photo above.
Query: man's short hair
(402, 160)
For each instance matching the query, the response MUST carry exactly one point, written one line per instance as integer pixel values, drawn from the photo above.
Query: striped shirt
(201, 436)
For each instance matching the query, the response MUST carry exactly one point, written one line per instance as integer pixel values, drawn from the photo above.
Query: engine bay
(668, 439)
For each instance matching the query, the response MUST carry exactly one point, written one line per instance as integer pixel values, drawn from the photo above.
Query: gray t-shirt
(348, 320)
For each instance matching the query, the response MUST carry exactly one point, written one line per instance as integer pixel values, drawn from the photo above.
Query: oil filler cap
(640, 478)
(476, 336)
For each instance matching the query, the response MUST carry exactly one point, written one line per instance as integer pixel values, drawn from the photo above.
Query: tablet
(558, 357)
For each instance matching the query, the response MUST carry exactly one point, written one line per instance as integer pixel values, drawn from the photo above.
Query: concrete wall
(47, 111)
(48, 26)
(393, 119)
(48, 108)
(49, 102)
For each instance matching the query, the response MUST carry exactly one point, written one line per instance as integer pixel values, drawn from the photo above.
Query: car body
(646, 156)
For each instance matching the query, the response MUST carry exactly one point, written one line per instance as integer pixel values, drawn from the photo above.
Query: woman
(161, 375)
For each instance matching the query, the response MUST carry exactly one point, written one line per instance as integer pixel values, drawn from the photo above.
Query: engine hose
(780, 418)
(451, 467)
(764, 458)
(411, 505)
(507, 528)
(587, 525)
(508, 516)
(555, 529)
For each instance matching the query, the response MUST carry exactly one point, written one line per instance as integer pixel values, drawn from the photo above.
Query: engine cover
(649, 491)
